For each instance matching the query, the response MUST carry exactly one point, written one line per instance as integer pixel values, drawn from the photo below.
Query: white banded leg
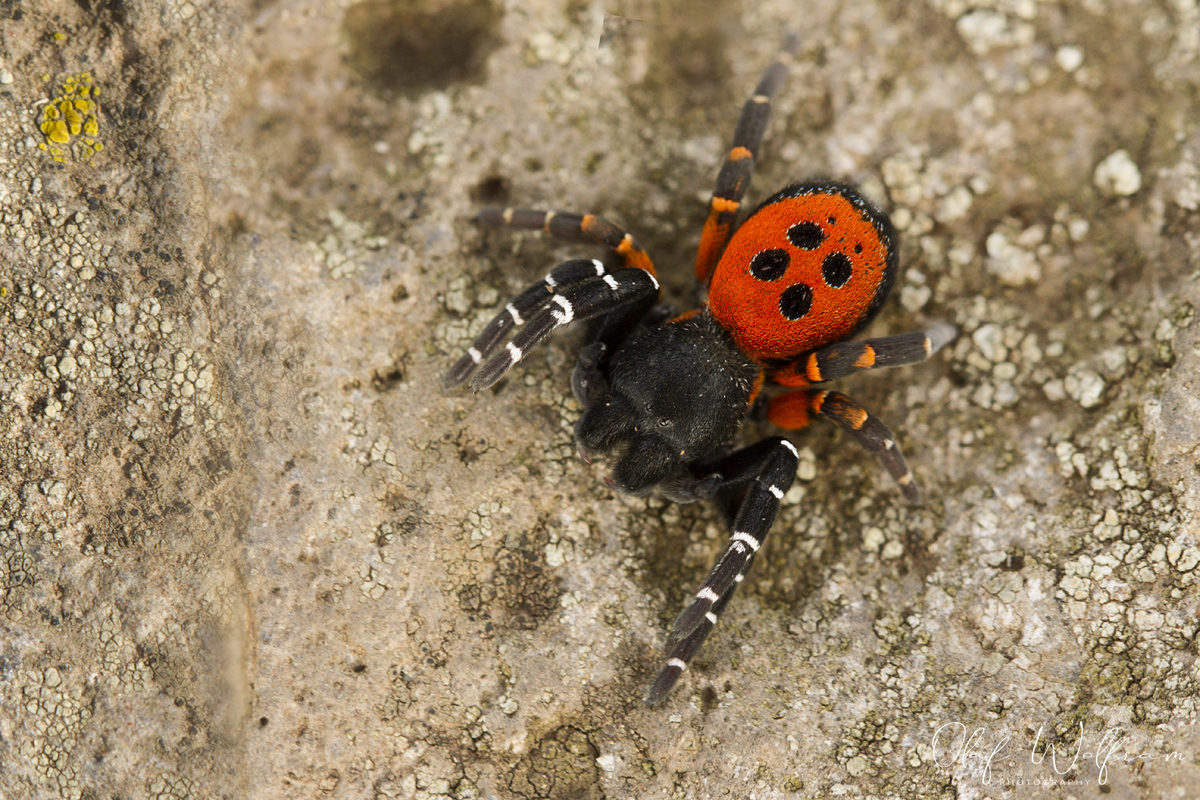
(581, 301)
(776, 471)
(523, 307)
(681, 653)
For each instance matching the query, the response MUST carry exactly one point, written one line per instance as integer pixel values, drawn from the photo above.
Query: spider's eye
(664, 423)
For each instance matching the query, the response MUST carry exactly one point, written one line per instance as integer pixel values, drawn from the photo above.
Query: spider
(806, 270)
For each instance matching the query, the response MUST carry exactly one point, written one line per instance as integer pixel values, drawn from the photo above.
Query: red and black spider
(806, 270)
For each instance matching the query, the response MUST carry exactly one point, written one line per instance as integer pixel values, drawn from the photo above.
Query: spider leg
(796, 409)
(571, 227)
(588, 299)
(738, 168)
(766, 471)
(524, 306)
(584, 228)
(846, 358)
(681, 654)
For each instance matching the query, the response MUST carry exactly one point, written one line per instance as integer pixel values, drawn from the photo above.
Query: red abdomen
(811, 266)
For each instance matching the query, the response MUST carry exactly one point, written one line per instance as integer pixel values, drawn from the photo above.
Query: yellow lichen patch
(71, 121)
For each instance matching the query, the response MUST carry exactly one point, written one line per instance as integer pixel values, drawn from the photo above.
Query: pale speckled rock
(248, 548)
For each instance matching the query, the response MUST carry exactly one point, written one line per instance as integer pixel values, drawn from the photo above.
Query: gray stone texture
(249, 548)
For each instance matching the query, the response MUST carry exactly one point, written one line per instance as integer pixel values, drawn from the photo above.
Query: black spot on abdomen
(796, 301)
(836, 270)
(806, 235)
(769, 265)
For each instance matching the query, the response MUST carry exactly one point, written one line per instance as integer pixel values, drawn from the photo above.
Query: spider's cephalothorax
(803, 272)
(675, 395)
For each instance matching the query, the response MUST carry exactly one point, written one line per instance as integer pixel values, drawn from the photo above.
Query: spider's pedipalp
(649, 462)
(607, 421)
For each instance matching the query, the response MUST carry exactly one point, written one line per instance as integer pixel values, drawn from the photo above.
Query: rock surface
(248, 548)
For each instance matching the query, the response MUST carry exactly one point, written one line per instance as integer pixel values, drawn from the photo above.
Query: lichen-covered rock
(248, 548)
